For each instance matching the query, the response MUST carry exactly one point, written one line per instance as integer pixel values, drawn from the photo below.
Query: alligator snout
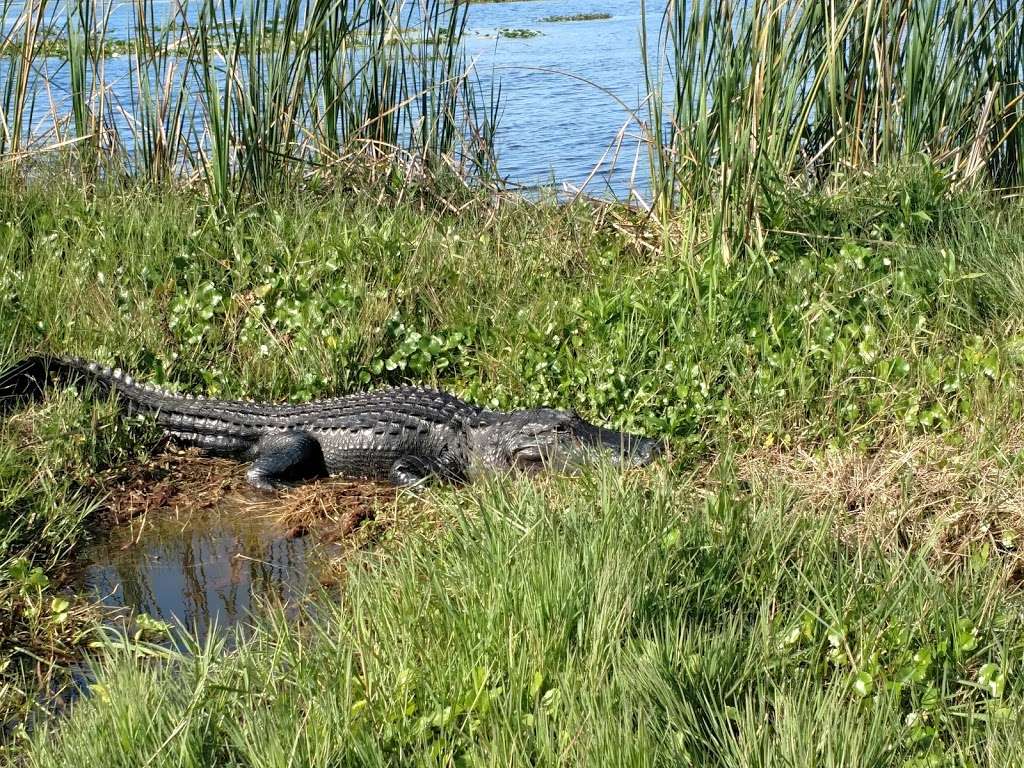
(628, 450)
(646, 451)
(637, 451)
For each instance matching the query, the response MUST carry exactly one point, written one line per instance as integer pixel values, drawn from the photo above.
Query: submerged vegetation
(819, 310)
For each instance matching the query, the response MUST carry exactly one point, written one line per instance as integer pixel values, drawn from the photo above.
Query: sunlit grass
(879, 327)
(591, 622)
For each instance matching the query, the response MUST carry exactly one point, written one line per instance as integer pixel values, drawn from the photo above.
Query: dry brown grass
(950, 495)
(177, 482)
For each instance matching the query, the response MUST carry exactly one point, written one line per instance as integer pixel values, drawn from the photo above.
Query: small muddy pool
(193, 546)
(203, 569)
(184, 540)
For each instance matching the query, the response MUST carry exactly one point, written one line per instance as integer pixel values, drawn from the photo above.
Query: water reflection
(202, 569)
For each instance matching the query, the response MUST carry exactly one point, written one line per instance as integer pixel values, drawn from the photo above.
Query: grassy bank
(848, 397)
(596, 622)
(893, 302)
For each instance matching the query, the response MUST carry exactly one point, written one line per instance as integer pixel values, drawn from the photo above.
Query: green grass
(49, 501)
(881, 321)
(594, 622)
(893, 307)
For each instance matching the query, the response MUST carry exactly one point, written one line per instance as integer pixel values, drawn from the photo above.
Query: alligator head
(545, 438)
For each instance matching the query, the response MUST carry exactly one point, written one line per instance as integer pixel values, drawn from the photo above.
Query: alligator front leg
(282, 457)
(412, 470)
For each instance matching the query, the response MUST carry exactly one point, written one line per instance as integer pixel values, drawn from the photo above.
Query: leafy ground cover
(836, 531)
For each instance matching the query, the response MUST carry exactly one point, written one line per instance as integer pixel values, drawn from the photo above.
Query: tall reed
(246, 94)
(20, 27)
(159, 98)
(749, 97)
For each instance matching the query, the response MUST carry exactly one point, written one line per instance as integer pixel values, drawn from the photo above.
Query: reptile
(403, 435)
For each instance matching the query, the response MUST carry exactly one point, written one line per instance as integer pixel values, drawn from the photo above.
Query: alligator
(403, 435)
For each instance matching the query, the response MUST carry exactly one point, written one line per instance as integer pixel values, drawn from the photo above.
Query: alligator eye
(566, 423)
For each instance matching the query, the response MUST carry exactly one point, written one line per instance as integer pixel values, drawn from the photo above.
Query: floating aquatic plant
(519, 34)
(576, 17)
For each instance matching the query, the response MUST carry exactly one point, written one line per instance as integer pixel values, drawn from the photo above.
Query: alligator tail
(26, 381)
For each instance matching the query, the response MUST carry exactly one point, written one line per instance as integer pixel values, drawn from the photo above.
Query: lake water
(560, 115)
(555, 125)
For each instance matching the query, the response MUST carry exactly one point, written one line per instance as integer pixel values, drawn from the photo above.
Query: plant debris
(182, 481)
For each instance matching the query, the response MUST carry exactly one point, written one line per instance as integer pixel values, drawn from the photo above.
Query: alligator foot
(410, 471)
(282, 457)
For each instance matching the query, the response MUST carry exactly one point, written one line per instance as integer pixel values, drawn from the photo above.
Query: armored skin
(403, 435)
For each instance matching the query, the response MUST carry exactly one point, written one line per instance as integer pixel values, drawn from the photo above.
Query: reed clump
(241, 98)
(749, 100)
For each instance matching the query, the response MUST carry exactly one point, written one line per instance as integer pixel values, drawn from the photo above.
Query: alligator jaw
(534, 440)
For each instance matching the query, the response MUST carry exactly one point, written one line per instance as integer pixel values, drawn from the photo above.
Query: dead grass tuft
(950, 495)
(178, 482)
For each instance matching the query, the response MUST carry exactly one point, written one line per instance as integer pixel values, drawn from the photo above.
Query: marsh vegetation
(818, 305)
(595, 16)
(519, 33)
